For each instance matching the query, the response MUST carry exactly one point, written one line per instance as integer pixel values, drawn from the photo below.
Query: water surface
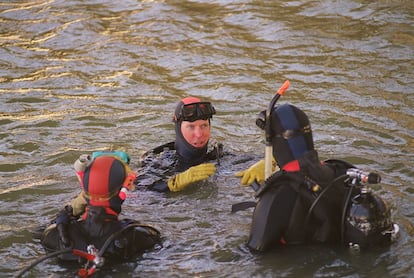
(80, 76)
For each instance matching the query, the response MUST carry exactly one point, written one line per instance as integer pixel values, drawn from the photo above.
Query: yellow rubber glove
(196, 173)
(78, 204)
(256, 172)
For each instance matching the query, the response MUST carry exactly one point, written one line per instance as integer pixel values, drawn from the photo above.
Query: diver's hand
(256, 172)
(196, 173)
(78, 205)
(62, 222)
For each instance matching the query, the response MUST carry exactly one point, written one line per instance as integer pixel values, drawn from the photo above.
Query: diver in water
(95, 228)
(309, 201)
(176, 165)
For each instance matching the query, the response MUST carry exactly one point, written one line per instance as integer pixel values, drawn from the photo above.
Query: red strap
(83, 254)
(85, 273)
(292, 166)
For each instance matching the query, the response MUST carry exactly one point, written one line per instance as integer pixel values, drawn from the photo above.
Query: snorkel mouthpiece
(261, 120)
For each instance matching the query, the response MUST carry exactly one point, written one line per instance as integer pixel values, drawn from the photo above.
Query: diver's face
(196, 133)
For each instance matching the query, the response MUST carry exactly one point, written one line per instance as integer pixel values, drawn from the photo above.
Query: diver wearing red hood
(105, 179)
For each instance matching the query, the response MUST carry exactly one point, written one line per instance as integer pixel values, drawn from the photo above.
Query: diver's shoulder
(161, 148)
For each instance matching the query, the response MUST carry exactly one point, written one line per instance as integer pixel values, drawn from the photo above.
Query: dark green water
(80, 76)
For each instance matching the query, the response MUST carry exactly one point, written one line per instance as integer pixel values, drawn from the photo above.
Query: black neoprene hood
(291, 134)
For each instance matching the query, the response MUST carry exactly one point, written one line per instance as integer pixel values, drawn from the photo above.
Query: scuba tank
(367, 219)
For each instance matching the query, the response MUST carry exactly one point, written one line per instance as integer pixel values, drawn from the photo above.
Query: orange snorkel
(268, 148)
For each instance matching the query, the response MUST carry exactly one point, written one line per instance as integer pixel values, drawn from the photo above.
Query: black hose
(36, 262)
(344, 210)
(308, 215)
(117, 233)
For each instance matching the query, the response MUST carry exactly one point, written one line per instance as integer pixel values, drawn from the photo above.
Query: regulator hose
(117, 233)
(344, 211)
(36, 262)
(314, 203)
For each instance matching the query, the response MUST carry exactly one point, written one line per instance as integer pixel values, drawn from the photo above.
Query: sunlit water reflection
(80, 76)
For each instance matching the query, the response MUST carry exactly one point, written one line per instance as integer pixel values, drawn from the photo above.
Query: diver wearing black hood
(176, 165)
(191, 109)
(309, 200)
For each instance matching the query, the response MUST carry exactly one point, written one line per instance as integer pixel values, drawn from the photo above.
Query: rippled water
(80, 76)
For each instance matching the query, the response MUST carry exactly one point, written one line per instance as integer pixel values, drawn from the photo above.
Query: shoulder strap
(260, 190)
(280, 177)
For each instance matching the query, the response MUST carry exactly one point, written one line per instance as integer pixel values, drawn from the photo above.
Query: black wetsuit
(286, 211)
(159, 164)
(120, 239)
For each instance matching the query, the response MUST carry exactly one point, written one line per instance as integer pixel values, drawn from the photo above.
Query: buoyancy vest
(318, 205)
